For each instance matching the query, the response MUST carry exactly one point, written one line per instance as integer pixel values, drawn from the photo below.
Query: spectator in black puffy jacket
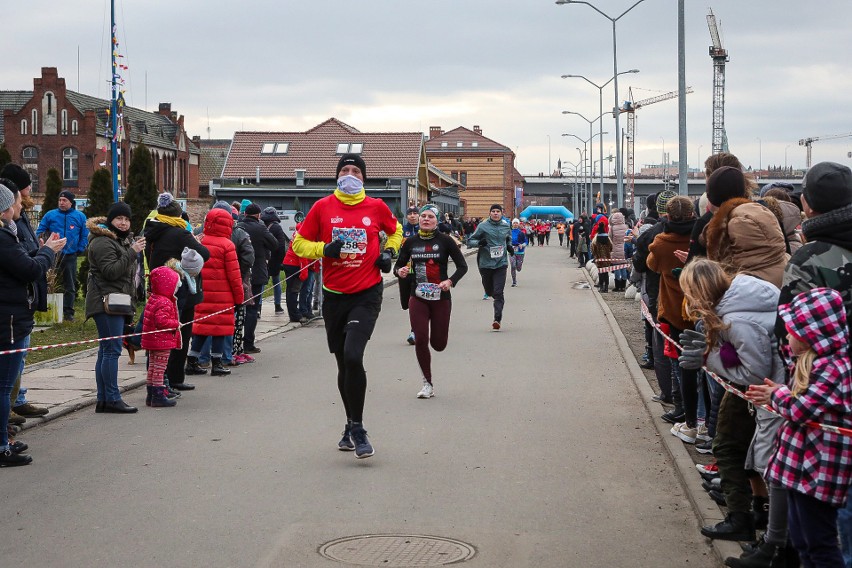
(263, 243)
(269, 217)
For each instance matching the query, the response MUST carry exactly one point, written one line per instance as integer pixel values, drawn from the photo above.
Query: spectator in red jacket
(223, 290)
(161, 316)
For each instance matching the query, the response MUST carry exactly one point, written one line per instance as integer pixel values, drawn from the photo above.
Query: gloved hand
(332, 249)
(728, 355)
(691, 338)
(483, 242)
(511, 250)
(385, 260)
(692, 359)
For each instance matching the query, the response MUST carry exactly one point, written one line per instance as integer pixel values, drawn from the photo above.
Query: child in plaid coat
(814, 464)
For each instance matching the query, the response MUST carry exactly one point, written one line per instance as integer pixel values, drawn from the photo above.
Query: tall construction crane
(806, 142)
(630, 107)
(720, 57)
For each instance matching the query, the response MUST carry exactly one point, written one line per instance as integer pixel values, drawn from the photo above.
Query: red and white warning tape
(619, 263)
(99, 339)
(731, 389)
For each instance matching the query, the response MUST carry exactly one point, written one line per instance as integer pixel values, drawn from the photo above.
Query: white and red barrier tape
(141, 333)
(619, 263)
(729, 388)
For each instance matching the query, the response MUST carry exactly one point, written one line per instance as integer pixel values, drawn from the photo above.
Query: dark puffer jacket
(223, 287)
(18, 272)
(270, 219)
(263, 243)
(112, 265)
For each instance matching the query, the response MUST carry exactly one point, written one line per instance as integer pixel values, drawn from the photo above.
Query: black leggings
(430, 321)
(349, 323)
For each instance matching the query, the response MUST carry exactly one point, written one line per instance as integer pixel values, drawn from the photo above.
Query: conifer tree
(142, 191)
(100, 194)
(51, 191)
(5, 157)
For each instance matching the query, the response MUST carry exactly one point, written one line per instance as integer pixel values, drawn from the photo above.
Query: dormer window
(474, 144)
(350, 147)
(282, 147)
(443, 144)
(267, 148)
(459, 144)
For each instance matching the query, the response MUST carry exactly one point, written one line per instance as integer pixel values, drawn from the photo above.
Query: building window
(455, 175)
(459, 144)
(350, 148)
(300, 178)
(75, 128)
(64, 121)
(474, 144)
(35, 122)
(463, 178)
(443, 144)
(490, 159)
(282, 147)
(70, 159)
(24, 126)
(267, 148)
(30, 154)
(458, 160)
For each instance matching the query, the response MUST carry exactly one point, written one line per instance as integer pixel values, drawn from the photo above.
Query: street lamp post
(785, 159)
(619, 174)
(585, 142)
(698, 157)
(600, 110)
(759, 155)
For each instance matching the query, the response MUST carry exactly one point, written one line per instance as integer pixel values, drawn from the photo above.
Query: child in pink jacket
(160, 316)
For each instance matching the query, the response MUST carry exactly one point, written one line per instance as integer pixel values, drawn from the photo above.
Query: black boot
(192, 367)
(760, 557)
(149, 396)
(760, 512)
(216, 368)
(118, 407)
(736, 526)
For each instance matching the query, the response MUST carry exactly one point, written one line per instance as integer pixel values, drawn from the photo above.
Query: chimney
(165, 109)
(477, 129)
(435, 131)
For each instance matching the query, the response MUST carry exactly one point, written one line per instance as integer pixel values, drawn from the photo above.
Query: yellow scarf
(347, 199)
(173, 221)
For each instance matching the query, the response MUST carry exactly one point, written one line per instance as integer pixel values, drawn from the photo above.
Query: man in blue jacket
(70, 224)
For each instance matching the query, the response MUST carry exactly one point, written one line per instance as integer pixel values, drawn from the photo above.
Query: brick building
(485, 169)
(53, 127)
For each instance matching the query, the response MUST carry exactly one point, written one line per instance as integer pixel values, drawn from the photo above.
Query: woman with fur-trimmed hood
(744, 236)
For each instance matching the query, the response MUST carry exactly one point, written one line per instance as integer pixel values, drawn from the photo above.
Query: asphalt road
(536, 451)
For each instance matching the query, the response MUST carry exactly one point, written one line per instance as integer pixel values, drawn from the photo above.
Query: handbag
(115, 303)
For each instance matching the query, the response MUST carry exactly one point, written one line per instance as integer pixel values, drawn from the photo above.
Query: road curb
(706, 510)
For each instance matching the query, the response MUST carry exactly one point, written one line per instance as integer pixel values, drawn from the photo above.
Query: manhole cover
(397, 550)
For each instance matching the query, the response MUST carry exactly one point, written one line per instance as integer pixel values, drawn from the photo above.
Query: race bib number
(354, 240)
(428, 291)
(497, 252)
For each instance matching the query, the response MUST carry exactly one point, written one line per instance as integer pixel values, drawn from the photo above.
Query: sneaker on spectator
(246, 358)
(710, 468)
(16, 419)
(704, 447)
(702, 434)
(685, 433)
(29, 410)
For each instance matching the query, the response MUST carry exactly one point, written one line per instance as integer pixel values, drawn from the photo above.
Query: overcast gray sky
(396, 65)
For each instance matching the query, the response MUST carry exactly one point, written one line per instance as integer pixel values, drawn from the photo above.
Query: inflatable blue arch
(534, 210)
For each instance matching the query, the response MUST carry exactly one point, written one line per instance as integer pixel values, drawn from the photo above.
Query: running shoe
(345, 444)
(704, 447)
(485, 296)
(410, 339)
(685, 433)
(427, 391)
(363, 448)
(709, 468)
(495, 326)
(702, 434)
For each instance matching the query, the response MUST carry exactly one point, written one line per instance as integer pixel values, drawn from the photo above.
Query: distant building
(211, 163)
(278, 168)
(53, 127)
(484, 168)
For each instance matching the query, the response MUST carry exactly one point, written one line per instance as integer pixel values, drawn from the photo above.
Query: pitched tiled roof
(213, 155)
(14, 101)
(466, 137)
(387, 154)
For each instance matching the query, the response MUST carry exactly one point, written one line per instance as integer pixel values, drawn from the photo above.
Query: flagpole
(113, 115)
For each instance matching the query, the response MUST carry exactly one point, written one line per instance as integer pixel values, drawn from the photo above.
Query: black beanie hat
(495, 206)
(827, 186)
(253, 209)
(69, 196)
(726, 183)
(351, 160)
(18, 175)
(117, 210)
(10, 185)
